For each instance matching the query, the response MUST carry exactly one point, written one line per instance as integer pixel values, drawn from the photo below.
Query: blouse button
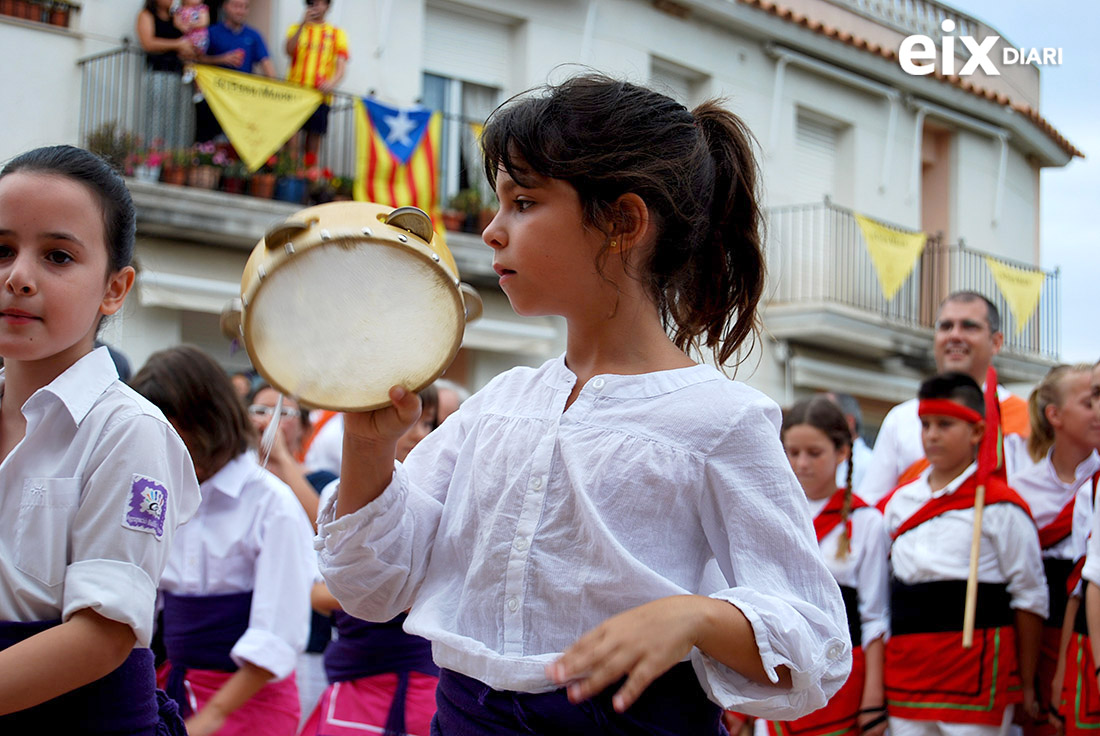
(598, 384)
(536, 483)
(835, 651)
(521, 544)
(513, 605)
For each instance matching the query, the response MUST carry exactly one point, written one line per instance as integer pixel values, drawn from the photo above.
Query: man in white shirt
(967, 335)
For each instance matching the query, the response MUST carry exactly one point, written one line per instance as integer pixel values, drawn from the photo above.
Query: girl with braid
(854, 544)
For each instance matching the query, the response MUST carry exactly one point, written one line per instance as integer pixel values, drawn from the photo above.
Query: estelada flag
(397, 159)
(991, 451)
(257, 114)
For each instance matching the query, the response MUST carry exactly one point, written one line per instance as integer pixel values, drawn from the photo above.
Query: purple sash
(363, 649)
(199, 633)
(125, 702)
(673, 704)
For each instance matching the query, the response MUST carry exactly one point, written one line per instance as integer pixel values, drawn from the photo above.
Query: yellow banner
(257, 114)
(1021, 288)
(894, 253)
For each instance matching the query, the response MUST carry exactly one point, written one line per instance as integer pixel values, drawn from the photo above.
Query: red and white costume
(864, 579)
(1080, 705)
(1053, 502)
(931, 681)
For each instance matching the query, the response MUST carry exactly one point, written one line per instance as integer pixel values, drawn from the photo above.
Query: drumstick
(972, 579)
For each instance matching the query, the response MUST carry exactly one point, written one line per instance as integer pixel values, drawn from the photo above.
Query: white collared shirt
(73, 533)
(250, 534)
(898, 446)
(327, 448)
(1047, 495)
(865, 568)
(517, 526)
(939, 549)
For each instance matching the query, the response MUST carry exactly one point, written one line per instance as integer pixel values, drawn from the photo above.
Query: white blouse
(519, 525)
(91, 499)
(1047, 495)
(250, 534)
(866, 567)
(939, 549)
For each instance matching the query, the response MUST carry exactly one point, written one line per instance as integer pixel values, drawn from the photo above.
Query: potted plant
(175, 166)
(59, 14)
(343, 188)
(319, 181)
(111, 143)
(262, 183)
(206, 165)
(290, 182)
(234, 176)
(468, 202)
(146, 164)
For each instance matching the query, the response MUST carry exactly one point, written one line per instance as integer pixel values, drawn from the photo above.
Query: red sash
(996, 491)
(829, 517)
(1060, 528)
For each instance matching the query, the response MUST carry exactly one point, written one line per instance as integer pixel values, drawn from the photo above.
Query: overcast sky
(1070, 232)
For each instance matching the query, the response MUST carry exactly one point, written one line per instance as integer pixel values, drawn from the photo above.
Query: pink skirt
(361, 706)
(273, 711)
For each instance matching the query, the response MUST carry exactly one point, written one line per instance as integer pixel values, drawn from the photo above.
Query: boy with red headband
(934, 685)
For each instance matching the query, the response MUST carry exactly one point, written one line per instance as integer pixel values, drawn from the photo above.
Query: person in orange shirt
(318, 57)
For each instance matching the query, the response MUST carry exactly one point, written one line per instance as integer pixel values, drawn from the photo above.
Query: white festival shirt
(92, 496)
(251, 534)
(518, 525)
(1047, 495)
(939, 549)
(866, 567)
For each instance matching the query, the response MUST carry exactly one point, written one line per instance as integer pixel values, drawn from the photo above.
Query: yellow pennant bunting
(894, 253)
(1020, 287)
(257, 114)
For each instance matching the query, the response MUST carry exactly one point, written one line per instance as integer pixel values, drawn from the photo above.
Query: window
(817, 142)
(465, 106)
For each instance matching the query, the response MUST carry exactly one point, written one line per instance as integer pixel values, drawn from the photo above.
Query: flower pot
(144, 172)
(233, 184)
(7, 7)
(290, 189)
(453, 220)
(174, 175)
(262, 185)
(59, 16)
(204, 177)
(30, 11)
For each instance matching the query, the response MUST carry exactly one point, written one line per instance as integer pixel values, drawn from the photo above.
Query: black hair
(993, 315)
(695, 171)
(119, 219)
(957, 387)
(197, 396)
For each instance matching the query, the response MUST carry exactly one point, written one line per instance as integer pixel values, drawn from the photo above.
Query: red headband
(947, 408)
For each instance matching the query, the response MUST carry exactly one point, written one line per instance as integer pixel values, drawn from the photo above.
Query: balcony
(144, 123)
(823, 292)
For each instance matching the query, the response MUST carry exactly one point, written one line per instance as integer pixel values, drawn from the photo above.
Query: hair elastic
(947, 408)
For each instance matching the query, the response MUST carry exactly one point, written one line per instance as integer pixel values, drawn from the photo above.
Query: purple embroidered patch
(146, 506)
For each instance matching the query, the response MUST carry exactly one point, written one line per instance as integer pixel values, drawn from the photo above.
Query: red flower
(326, 173)
(311, 159)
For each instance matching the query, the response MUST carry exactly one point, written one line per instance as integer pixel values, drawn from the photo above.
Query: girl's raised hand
(387, 424)
(642, 644)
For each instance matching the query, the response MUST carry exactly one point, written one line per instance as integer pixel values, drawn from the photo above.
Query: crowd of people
(622, 540)
(172, 39)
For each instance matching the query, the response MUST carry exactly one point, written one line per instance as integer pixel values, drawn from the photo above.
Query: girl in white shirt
(552, 537)
(236, 588)
(1064, 434)
(854, 544)
(93, 481)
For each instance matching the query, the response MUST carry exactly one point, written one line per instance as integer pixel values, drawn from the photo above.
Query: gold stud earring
(613, 245)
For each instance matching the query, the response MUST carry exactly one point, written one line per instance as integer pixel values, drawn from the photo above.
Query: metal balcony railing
(816, 254)
(123, 100)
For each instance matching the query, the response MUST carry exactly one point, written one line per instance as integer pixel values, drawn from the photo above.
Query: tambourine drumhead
(340, 321)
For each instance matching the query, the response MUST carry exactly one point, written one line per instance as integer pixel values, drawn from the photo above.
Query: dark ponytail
(695, 172)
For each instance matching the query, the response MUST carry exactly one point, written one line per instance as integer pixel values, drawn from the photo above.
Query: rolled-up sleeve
(1016, 540)
(119, 546)
(278, 621)
(755, 517)
(387, 542)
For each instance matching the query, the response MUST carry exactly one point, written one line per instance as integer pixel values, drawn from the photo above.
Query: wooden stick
(972, 579)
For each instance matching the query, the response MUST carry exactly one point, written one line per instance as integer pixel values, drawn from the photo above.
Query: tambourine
(346, 299)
